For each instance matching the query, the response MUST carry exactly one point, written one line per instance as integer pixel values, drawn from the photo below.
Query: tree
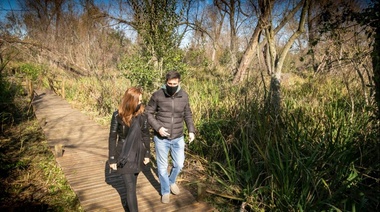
(232, 9)
(337, 43)
(157, 26)
(207, 24)
(275, 61)
(75, 37)
(263, 10)
(376, 54)
(371, 17)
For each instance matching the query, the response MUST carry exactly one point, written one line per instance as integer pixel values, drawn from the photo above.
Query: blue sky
(8, 5)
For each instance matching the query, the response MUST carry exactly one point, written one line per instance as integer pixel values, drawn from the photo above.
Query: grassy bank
(30, 178)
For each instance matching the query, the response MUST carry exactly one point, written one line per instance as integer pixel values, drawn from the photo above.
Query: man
(167, 109)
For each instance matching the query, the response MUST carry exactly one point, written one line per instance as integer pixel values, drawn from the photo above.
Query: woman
(130, 110)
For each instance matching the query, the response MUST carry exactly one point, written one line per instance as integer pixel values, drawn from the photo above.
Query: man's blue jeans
(177, 151)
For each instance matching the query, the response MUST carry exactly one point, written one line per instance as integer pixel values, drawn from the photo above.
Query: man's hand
(163, 132)
(191, 137)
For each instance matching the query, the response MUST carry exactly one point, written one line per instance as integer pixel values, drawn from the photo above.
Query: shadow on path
(115, 180)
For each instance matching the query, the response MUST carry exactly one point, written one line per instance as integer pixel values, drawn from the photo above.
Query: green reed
(312, 157)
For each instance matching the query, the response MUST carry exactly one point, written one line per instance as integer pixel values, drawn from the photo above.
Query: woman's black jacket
(118, 134)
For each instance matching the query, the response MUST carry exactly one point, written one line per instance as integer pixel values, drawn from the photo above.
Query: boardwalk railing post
(58, 148)
(63, 88)
(201, 191)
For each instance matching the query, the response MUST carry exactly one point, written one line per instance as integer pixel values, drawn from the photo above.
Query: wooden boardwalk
(84, 162)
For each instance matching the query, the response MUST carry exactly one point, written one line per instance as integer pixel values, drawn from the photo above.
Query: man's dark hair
(173, 75)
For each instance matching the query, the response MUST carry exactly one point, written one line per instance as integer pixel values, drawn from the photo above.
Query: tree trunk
(276, 62)
(265, 9)
(213, 56)
(273, 103)
(376, 68)
(247, 56)
(233, 39)
(270, 51)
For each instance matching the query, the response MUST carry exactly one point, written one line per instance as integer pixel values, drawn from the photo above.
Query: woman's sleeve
(112, 139)
(145, 135)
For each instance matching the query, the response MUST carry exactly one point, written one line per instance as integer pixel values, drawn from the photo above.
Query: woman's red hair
(128, 104)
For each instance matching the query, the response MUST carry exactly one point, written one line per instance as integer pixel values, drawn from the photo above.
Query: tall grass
(315, 156)
(98, 97)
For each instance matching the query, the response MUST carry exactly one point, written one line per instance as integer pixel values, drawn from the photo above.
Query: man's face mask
(171, 90)
(172, 86)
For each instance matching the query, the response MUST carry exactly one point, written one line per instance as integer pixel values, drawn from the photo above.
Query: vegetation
(30, 177)
(312, 158)
(287, 118)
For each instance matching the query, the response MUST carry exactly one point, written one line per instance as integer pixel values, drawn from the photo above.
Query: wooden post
(25, 85)
(30, 89)
(200, 191)
(63, 88)
(58, 148)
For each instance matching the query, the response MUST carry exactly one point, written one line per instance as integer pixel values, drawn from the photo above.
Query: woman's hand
(113, 166)
(146, 160)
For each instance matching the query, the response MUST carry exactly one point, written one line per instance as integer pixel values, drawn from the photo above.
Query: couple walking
(166, 111)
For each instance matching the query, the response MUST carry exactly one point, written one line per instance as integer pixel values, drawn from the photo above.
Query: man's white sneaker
(165, 198)
(174, 189)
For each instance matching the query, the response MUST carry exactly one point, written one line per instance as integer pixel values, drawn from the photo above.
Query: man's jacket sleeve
(150, 111)
(189, 119)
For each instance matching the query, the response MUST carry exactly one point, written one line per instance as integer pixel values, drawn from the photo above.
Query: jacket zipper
(171, 130)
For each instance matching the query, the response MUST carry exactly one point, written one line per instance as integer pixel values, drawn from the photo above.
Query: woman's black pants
(130, 181)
